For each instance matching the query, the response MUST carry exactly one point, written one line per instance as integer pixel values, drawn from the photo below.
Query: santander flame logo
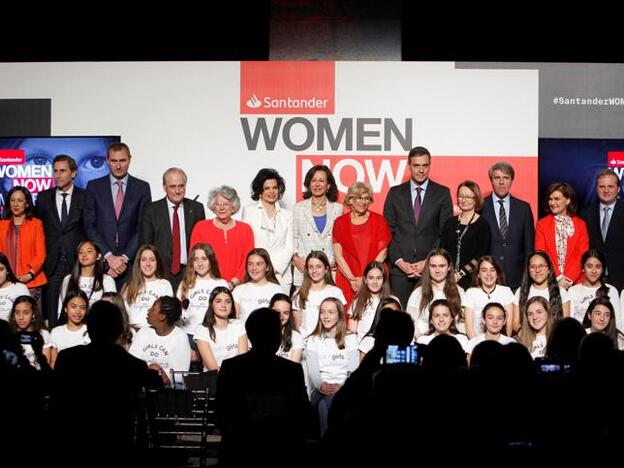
(253, 102)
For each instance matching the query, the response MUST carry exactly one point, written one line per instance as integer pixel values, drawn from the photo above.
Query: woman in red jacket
(562, 234)
(22, 241)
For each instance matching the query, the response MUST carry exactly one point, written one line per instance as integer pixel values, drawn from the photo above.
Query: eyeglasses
(222, 204)
(537, 267)
(466, 197)
(364, 199)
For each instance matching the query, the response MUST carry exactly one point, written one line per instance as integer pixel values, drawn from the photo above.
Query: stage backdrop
(222, 122)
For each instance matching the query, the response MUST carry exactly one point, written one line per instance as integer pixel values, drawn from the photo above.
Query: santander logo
(287, 88)
(615, 158)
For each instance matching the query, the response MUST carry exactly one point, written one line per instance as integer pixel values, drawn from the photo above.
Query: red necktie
(119, 199)
(175, 242)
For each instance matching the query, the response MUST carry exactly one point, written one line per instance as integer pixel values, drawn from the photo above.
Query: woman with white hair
(230, 239)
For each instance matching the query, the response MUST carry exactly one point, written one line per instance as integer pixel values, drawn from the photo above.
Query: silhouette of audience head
(564, 340)
(104, 322)
(394, 327)
(264, 330)
(444, 353)
(596, 353)
(517, 360)
(487, 356)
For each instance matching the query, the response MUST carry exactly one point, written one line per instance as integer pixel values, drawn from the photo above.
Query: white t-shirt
(565, 296)
(367, 343)
(137, 311)
(170, 352)
(538, 347)
(8, 296)
(250, 297)
(581, 296)
(368, 315)
(63, 338)
(421, 320)
(29, 352)
(502, 339)
(198, 297)
(426, 339)
(86, 285)
(225, 344)
(309, 315)
(476, 299)
(327, 363)
(297, 343)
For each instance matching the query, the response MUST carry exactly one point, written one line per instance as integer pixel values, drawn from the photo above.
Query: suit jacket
(281, 248)
(413, 241)
(513, 251)
(577, 245)
(103, 226)
(613, 245)
(156, 227)
(58, 239)
(31, 249)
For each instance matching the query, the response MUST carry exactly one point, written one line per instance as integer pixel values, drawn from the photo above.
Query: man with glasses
(511, 224)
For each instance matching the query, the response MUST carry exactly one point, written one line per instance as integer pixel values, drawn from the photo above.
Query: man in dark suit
(511, 224)
(61, 209)
(605, 225)
(157, 224)
(259, 395)
(416, 212)
(115, 211)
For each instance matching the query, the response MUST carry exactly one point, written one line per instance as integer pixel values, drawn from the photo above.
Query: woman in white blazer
(314, 219)
(272, 225)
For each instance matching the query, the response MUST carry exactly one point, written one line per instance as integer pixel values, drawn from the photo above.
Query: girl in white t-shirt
(493, 317)
(438, 282)
(593, 285)
(10, 288)
(259, 285)
(221, 335)
(362, 308)
(73, 330)
(87, 275)
(537, 322)
(292, 343)
(331, 355)
(146, 284)
(599, 318)
(26, 320)
(442, 322)
(317, 285)
(201, 276)
(539, 280)
(490, 288)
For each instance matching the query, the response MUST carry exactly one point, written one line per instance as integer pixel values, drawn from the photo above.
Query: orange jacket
(577, 245)
(32, 251)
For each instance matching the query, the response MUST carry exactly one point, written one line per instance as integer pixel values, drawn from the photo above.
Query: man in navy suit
(157, 224)
(61, 209)
(115, 211)
(415, 211)
(605, 225)
(511, 224)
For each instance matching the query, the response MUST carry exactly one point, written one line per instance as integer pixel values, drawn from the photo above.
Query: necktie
(502, 220)
(119, 198)
(64, 208)
(417, 204)
(175, 242)
(605, 222)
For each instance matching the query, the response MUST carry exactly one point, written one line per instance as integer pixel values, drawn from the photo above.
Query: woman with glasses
(466, 237)
(231, 240)
(562, 234)
(360, 236)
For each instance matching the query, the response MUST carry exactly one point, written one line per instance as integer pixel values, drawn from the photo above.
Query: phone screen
(402, 355)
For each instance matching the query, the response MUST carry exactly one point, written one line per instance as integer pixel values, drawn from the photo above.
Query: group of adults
(117, 213)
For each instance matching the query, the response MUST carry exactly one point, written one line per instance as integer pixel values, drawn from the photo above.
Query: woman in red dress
(360, 236)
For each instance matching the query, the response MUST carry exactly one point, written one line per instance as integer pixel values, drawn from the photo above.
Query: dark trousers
(52, 290)
(401, 285)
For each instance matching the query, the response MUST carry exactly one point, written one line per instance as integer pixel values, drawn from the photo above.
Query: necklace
(318, 207)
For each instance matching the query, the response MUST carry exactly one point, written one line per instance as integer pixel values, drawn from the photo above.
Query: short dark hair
(71, 162)
(264, 329)
(118, 146)
(170, 307)
(28, 212)
(567, 191)
(418, 151)
(261, 177)
(104, 322)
